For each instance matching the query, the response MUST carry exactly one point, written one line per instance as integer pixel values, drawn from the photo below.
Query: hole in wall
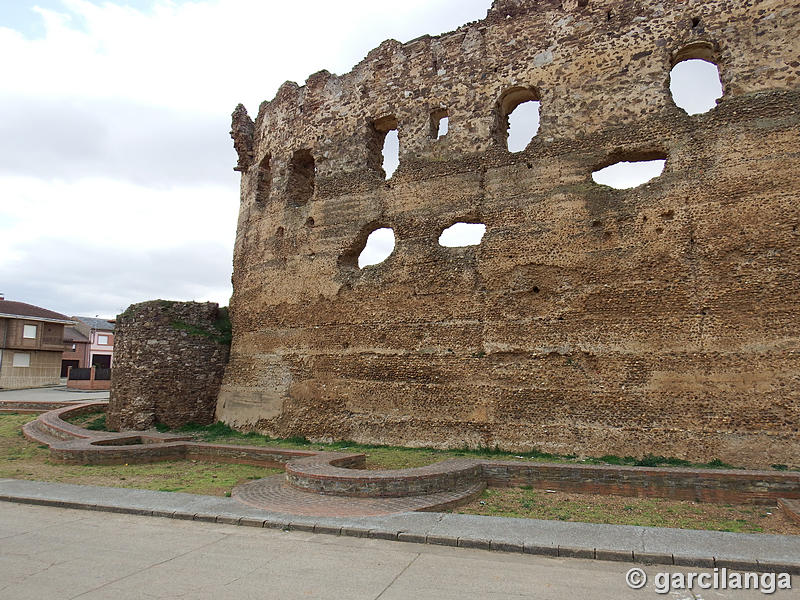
(695, 22)
(391, 153)
(264, 180)
(518, 118)
(462, 234)
(378, 247)
(302, 172)
(385, 145)
(694, 80)
(440, 123)
(523, 125)
(623, 175)
(310, 222)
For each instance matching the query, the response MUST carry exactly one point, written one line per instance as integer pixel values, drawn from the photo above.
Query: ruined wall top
(594, 64)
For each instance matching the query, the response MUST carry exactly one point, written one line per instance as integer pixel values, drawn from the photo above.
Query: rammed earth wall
(589, 320)
(168, 365)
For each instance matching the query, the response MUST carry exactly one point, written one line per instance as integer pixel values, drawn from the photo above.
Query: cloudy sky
(116, 180)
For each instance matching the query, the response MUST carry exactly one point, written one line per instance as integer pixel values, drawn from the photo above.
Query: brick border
(341, 474)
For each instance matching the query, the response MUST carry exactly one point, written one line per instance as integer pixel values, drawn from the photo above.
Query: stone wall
(168, 365)
(589, 320)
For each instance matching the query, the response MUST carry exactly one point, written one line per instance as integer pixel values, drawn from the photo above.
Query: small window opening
(21, 360)
(695, 22)
(624, 175)
(462, 234)
(29, 332)
(386, 144)
(440, 123)
(264, 180)
(391, 153)
(694, 79)
(518, 118)
(302, 172)
(379, 246)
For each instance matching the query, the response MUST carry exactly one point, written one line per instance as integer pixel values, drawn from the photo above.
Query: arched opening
(302, 172)
(378, 247)
(631, 173)
(440, 123)
(385, 145)
(264, 180)
(462, 234)
(518, 118)
(694, 80)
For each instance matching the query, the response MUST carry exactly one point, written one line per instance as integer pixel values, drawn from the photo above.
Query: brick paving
(791, 508)
(276, 495)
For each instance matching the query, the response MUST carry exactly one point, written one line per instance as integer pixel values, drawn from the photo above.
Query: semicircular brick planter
(336, 483)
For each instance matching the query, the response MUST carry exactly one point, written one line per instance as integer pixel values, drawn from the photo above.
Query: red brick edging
(342, 474)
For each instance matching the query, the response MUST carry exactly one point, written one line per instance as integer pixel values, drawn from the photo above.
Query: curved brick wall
(590, 320)
(167, 365)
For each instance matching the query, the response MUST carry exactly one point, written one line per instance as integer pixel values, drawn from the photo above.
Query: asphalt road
(54, 553)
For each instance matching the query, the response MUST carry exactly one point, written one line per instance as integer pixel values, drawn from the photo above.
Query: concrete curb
(484, 533)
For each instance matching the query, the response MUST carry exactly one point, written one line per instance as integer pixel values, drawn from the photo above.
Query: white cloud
(116, 181)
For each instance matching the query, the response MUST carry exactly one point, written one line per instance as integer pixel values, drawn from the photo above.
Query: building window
(29, 332)
(21, 359)
(102, 340)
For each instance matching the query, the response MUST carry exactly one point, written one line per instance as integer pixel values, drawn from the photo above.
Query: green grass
(221, 332)
(399, 457)
(21, 459)
(95, 421)
(647, 512)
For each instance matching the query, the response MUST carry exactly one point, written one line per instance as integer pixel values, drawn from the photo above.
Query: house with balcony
(31, 345)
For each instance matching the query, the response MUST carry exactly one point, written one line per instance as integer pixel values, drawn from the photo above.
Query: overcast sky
(116, 180)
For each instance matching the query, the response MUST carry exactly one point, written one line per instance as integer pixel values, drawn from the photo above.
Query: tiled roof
(95, 323)
(21, 309)
(73, 335)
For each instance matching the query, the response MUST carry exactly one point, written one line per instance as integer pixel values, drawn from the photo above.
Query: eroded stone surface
(168, 365)
(660, 319)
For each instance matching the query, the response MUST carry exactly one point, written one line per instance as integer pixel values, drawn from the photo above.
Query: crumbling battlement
(590, 320)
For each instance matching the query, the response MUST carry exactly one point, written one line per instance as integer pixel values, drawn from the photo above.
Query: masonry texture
(168, 365)
(589, 320)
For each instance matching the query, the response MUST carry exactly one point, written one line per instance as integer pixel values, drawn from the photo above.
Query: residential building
(76, 350)
(31, 345)
(100, 333)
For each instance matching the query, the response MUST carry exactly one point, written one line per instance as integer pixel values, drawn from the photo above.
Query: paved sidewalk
(708, 549)
(53, 394)
(49, 553)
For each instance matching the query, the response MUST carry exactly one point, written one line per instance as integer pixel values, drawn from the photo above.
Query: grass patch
(221, 332)
(399, 457)
(648, 512)
(94, 421)
(21, 459)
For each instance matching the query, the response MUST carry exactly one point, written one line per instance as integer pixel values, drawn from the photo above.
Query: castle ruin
(589, 320)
